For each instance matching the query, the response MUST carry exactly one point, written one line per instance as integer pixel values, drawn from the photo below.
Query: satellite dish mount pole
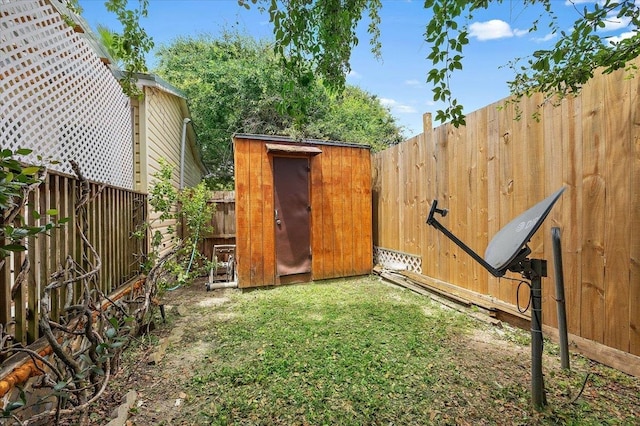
(534, 270)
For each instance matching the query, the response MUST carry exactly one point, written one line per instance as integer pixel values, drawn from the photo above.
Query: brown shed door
(292, 215)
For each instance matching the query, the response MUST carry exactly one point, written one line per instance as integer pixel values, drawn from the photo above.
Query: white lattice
(58, 99)
(397, 260)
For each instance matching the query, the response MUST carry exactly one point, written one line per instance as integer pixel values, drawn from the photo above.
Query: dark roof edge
(279, 138)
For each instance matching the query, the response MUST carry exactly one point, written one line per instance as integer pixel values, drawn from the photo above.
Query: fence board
(506, 208)
(20, 305)
(5, 289)
(634, 208)
(617, 131)
(426, 185)
(481, 219)
(572, 211)
(593, 190)
(442, 170)
(493, 185)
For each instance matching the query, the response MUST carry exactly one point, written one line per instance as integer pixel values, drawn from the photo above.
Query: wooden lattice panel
(397, 260)
(57, 97)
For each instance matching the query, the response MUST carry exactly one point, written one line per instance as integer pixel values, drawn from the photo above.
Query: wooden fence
(496, 167)
(112, 215)
(223, 221)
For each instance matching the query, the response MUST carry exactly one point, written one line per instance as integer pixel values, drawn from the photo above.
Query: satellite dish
(508, 250)
(509, 245)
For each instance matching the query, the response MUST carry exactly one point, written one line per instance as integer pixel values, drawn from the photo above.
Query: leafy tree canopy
(236, 84)
(321, 34)
(315, 38)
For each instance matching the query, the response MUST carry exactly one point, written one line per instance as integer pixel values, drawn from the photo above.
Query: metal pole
(538, 397)
(561, 305)
(182, 148)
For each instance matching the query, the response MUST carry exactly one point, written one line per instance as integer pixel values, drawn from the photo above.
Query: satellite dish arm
(431, 220)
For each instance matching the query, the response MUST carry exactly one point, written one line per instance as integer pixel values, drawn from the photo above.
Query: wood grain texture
(593, 226)
(496, 167)
(634, 214)
(617, 213)
(341, 211)
(243, 203)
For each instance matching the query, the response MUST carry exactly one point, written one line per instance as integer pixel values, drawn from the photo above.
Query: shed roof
(288, 139)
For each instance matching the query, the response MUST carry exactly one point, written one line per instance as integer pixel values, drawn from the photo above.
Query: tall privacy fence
(222, 223)
(496, 167)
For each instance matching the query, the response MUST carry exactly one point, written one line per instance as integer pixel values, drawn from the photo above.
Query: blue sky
(497, 36)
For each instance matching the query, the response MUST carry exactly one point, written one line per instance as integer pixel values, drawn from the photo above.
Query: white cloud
(549, 36)
(613, 23)
(397, 107)
(520, 33)
(493, 29)
(354, 74)
(619, 38)
(414, 83)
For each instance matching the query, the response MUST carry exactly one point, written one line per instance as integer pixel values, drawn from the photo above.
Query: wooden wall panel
(337, 200)
(243, 205)
(349, 210)
(256, 214)
(329, 234)
(317, 217)
(359, 205)
(268, 250)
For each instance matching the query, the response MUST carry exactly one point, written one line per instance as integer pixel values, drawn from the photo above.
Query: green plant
(16, 181)
(191, 207)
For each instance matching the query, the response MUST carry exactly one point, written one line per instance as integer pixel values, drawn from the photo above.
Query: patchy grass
(325, 354)
(355, 352)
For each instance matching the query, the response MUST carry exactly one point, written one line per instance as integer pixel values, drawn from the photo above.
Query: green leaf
(32, 170)
(14, 247)
(59, 386)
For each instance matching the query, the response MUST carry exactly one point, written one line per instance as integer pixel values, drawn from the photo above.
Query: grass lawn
(360, 352)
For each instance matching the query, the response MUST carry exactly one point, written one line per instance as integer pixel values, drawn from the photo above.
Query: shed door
(292, 215)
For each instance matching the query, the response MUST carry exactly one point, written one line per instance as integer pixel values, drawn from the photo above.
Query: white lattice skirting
(57, 97)
(392, 259)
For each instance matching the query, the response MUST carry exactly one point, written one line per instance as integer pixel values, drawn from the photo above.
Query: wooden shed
(303, 210)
